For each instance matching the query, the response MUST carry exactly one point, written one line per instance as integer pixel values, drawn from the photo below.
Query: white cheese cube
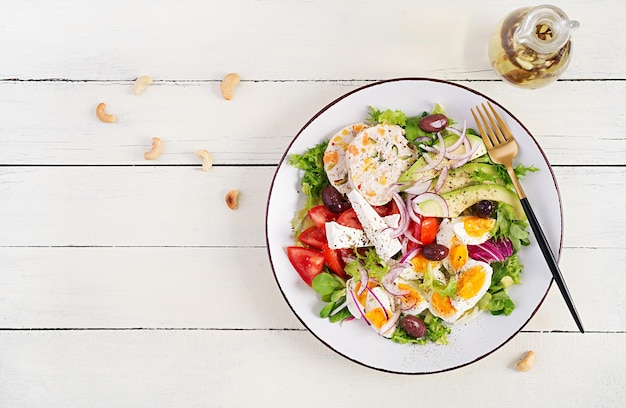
(375, 228)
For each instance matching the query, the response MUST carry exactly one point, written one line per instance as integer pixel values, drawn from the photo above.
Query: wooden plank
(192, 39)
(570, 120)
(228, 288)
(183, 206)
(276, 368)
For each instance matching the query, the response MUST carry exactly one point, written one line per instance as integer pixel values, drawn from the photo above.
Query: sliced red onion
(430, 149)
(404, 216)
(419, 187)
(363, 278)
(411, 211)
(462, 138)
(412, 238)
(380, 303)
(432, 163)
(421, 139)
(388, 280)
(359, 306)
(442, 179)
(391, 323)
(430, 196)
(410, 254)
(469, 151)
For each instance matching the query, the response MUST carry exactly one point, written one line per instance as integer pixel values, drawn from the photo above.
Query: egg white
(422, 303)
(458, 226)
(461, 304)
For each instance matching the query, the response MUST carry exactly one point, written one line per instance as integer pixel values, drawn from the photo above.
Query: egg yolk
(476, 226)
(363, 296)
(421, 264)
(471, 281)
(458, 254)
(442, 305)
(412, 298)
(377, 317)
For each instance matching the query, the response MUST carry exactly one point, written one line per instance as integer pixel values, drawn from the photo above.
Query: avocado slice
(462, 177)
(414, 173)
(461, 199)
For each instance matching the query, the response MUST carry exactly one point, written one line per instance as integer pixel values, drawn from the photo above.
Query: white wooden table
(127, 283)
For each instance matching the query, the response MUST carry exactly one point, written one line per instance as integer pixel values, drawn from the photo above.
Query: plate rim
(379, 83)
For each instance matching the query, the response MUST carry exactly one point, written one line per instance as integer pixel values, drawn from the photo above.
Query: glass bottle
(531, 47)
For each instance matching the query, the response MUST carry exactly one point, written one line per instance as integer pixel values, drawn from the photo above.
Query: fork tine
(494, 125)
(483, 134)
(488, 126)
(508, 135)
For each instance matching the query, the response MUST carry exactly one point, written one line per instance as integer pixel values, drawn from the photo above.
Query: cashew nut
(232, 199)
(141, 83)
(228, 84)
(102, 115)
(207, 159)
(155, 152)
(527, 362)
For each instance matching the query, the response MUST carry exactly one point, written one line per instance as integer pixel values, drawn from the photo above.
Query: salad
(408, 226)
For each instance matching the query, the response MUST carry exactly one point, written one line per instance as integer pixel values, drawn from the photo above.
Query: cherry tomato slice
(416, 232)
(306, 261)
(388, 209)
(320, 215)
(348, 218)
(314, 237)
(429, 230)
(334, 261)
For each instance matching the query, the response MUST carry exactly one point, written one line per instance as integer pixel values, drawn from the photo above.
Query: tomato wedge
(349, 218)
(306, 261)
(320, 215)
(314, 237)
(388, 209)
(416, 232)
(429, 230)
(334, 261)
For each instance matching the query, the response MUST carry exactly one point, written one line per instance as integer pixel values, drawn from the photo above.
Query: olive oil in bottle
(531, 47)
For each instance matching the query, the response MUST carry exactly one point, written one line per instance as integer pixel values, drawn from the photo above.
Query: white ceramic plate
(355, 340)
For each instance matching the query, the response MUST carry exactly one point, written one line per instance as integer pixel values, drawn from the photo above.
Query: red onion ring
(388, 280)
(359, 306)
(419, 187)
(410, 255)
(392, 322)
(380, 303)
(404, 216)
(462, 137)
(430, 196)
(421, 139)
(469, 151)
(411, 211)
(412, 238)
(432, 163)
(442, 178)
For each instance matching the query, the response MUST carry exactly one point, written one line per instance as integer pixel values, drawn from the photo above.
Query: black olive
(414, 326)
(435, 252)
(484, 209)
(334, 200)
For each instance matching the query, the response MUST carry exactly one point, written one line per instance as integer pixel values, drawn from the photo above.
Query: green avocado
(461, 199)
(414, 173)
(462, 176)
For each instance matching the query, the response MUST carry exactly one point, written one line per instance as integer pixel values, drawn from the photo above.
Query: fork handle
(551, 260)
